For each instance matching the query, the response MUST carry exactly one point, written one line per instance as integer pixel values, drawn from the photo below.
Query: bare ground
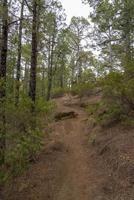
(68, 167)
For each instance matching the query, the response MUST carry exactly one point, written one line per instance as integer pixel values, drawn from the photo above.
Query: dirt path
(77, 184)
(65, 170)
(76, 181)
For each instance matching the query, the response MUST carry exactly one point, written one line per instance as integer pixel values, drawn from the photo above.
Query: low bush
(83, 89)
(59, 92)
(105, 115)
(24, 133)
(117, 104)
(118, 89)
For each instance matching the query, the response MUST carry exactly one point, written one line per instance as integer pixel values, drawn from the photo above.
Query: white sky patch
(75, 8)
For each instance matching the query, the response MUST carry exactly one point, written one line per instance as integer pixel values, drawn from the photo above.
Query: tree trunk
(19, 56)
(127, 30)
(110, 48)
(78, 64)
(3, 69)
(43, 81)
(50, 68)
(72, 72)
(32, 86)
(26, 78)
(62, 75)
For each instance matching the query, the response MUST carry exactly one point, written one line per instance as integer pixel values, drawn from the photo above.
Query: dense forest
(43, 58)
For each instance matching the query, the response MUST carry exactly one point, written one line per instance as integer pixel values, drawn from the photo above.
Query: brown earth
(69, 167)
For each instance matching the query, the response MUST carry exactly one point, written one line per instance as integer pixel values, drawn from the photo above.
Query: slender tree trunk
(62, 81)
(110, 49)
(50, 68)
(62, 75)
(19, 56)
(78, 64)
(72, 72)
(43, 81)
(127, 30)
(3, 69)
(0, 36)
(26, 78)
(32, 86)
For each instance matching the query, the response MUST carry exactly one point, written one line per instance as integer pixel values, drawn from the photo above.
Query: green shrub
(83, 89)
(105, 114)
(24, 133)
(4, 176)
(117, 104)
(128, 121)
(59, 92)
(110, 116)
(119, 89)
(25, 149)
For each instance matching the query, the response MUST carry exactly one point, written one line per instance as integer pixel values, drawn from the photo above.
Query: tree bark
(50, 68)
(19, 55)
(32, 86)
(26, 78)
(62, 75)
(3, 69)
(43, 81)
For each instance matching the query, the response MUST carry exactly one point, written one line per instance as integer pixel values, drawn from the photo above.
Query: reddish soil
(69, 167)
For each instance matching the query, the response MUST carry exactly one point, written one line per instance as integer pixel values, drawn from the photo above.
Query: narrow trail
(65, 170)
(76, 181)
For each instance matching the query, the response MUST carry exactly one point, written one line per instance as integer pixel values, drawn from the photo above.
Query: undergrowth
(117, 103)
(24, 133)
(83, 89)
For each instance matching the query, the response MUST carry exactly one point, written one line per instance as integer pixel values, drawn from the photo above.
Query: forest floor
(68, 167)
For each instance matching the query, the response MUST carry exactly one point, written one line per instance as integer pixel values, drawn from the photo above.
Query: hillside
(67, 99)
(79, 161)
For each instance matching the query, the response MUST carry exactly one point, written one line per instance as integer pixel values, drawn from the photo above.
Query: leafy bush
(117, 103)
(119, 90)
(110, 116)
(59, 92)
(105, 115)
(24, 132)
(83, 89)
(26, 147)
